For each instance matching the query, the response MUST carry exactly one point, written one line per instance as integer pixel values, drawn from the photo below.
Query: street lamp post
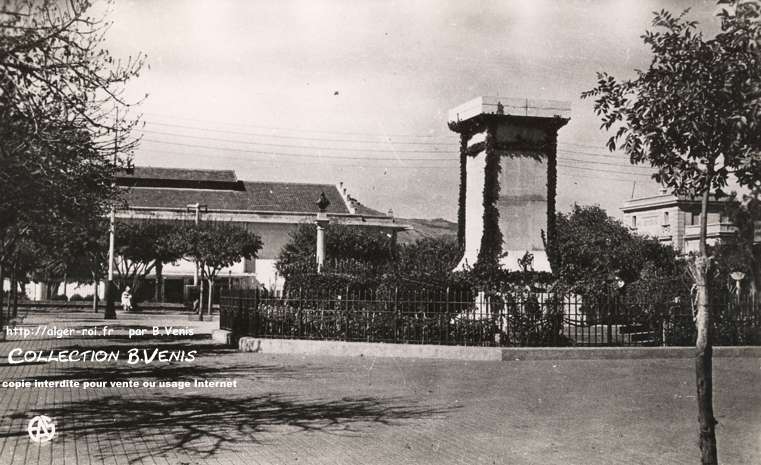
(197, 208)
(614, 306)
(738, 276)
(110, 312)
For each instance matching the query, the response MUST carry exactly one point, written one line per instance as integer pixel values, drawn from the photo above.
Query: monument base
(510, 262)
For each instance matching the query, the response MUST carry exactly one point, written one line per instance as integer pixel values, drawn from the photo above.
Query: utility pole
(110, 313)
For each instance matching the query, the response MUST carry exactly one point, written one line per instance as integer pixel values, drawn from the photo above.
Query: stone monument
(508, 168)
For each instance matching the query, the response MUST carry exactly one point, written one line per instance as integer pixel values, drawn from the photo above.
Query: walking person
(126, 300)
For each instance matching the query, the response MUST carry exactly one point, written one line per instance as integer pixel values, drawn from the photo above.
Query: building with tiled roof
(271, 209)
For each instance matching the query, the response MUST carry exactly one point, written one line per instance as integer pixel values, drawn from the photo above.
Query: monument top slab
(522, 107)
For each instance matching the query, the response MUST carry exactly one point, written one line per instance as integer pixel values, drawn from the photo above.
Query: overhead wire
(385, 138)
(388, 166)
(562, 175)
(312, 147)
(280, 128)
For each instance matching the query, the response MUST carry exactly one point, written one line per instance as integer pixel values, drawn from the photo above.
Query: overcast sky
(357, 91)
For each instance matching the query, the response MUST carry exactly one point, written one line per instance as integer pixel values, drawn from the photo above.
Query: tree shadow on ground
(204, 425)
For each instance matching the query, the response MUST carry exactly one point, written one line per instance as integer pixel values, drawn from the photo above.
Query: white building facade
(675, 220)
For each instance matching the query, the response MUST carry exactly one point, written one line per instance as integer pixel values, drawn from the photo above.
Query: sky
(323, 91)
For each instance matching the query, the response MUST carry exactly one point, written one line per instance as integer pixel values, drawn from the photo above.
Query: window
(694, 218)
(249, 266)
(634, 221)
(666, 219)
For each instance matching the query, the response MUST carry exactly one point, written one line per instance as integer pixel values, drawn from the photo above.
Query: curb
(222, 336)
(370, 349)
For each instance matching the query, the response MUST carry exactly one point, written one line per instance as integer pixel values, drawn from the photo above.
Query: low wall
(357, 349)
(369, 349)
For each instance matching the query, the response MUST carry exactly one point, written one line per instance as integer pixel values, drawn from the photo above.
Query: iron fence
(479, 318)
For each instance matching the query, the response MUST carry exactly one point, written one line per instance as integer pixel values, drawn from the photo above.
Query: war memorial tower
(508, 174)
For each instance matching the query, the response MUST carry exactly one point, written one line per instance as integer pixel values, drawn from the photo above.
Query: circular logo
(41, 429)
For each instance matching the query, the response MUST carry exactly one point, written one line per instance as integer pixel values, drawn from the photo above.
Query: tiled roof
(154, 187)
(366, 211)
(261, 196)
(152, 172)
(292, 197)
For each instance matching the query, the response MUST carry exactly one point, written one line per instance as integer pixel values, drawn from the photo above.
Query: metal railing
(478, 318)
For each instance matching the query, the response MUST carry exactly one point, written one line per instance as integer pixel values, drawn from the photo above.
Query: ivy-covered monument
(508, 178)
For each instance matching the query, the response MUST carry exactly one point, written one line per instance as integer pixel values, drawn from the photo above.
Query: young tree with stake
(695, 115)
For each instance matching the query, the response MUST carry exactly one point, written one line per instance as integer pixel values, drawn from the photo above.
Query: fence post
(396, 314)
(301, 315)
(238, 318)
(346, 315)
(611, 308)
(366, 307)
(447, 311)
(257, 315)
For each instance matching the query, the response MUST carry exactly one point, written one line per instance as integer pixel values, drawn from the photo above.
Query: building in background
(675, 220)
(270, 209)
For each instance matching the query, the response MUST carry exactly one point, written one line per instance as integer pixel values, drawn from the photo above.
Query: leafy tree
(740, 253)
(431, 257)
(694, 115)
(88, 254)
(365, 247)
(62, 135)
(596, 250)
(142, 247)
(70, 250)
(218, 245)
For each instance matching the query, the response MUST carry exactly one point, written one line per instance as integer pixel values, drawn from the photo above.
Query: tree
(429, 258)
(218, 245)
(367, 248)
(695, 116)
(596, 250)
(740, 253)
(142, 247)
(62, 136)
(88, 254)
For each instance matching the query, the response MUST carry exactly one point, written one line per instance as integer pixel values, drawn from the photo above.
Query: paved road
(328, 410)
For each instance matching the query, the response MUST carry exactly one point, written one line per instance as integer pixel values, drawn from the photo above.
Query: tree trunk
(65, 285)
(95, 293)
(703, 344)
(13, 310)
(200, 299)
(9, 305)
(158, 294)
(2, 296)
(137, 284)
(211, 294)
(52, 288)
